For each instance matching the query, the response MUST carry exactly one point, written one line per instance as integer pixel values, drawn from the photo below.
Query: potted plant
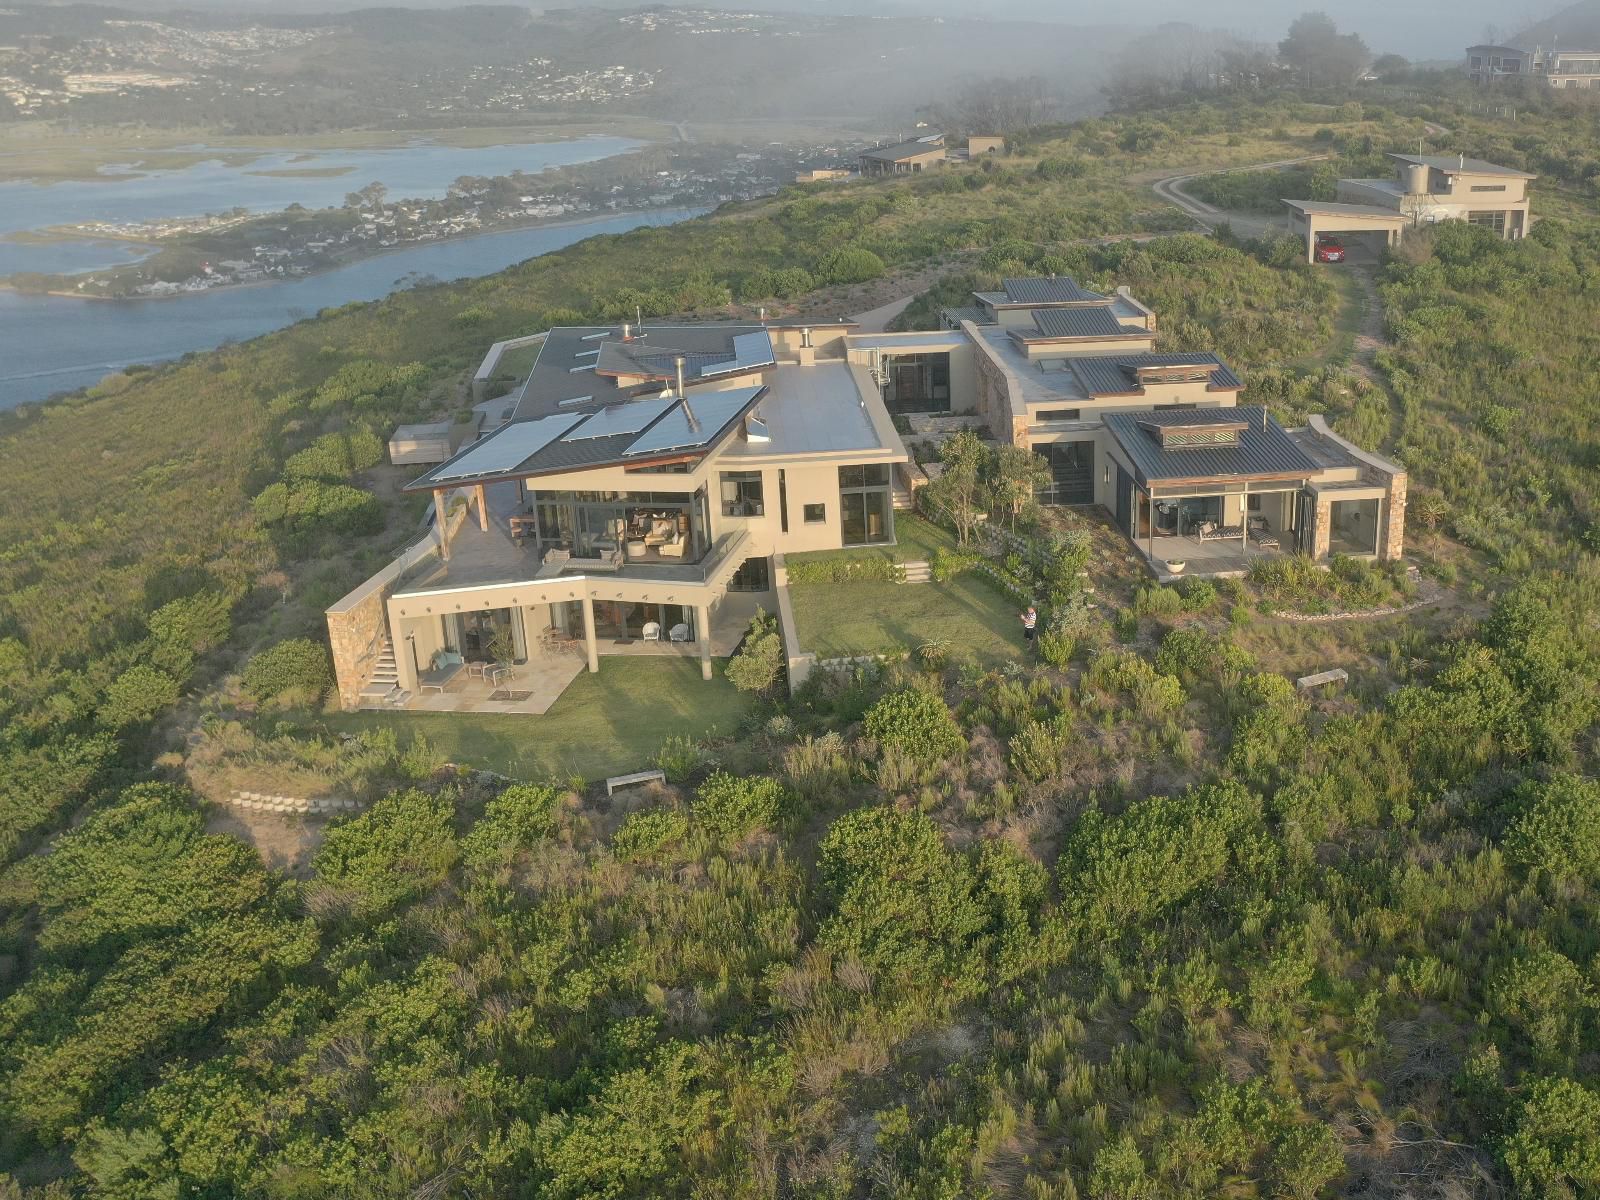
(1175, 566)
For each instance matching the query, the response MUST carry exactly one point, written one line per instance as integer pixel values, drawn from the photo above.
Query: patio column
(702, 621)
(1244, 521)
(483, 509)
(441, 521)
(1150, 521)
(588, 634)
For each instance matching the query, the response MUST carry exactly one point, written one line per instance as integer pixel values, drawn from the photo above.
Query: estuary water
(51, 344)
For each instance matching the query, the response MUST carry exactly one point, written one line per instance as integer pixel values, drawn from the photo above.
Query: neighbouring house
(1556, 68)
(1425, 190)
(632, 505)
(978, 146)
(822, 175)
(904, 158)
(1158, 439)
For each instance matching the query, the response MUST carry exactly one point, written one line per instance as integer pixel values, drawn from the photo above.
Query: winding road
(1170, 189)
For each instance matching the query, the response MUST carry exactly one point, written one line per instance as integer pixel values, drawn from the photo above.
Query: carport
(1311, 219)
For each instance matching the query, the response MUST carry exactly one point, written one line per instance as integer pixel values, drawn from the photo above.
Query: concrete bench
(637, 777)
(1306, 682)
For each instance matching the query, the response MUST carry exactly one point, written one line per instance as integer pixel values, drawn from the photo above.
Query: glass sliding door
(495, 635)
(866, 515)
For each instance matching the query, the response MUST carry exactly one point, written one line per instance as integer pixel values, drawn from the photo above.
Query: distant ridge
(1576, 28)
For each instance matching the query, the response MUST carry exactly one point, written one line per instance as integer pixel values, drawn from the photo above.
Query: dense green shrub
(1553, 1150)
(311, 507)
(1036, 749)
(947, 564)
(845, 568)
(731, 807)
(849, 264)
(336, 456)
(402, 846)
(760, 662)
(137, 695)
(514, 820)
(1556, 829)
(916, 722)
(298, 669)
(644, 835)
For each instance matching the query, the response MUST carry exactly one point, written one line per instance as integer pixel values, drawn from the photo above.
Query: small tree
(959, 491)
(759, 663)
(1015, 478)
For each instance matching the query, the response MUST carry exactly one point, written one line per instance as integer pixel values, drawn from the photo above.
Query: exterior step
(917, 572)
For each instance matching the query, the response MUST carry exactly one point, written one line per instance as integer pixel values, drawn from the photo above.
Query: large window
(493, 635)
(1071, 473)
(866, 515)
(917, 383)
(741, 494)
(1353, 527)
(1489, 220)
(753, 575)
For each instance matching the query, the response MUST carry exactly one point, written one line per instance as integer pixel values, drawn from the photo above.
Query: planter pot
(1175, 567)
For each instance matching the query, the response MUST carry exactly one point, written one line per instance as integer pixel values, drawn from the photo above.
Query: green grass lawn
(837, 619)
(609, 723)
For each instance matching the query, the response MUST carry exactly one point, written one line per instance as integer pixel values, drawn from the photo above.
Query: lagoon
(50, 344)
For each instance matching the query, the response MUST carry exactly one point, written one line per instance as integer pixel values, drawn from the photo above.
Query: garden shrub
(297, 670)
(1036, 749)
(514, 820)
(680, 757)
(1542, 994)
(760, 661)
(917, 722)
(1553, 1149)
(731, 807)
(336, 456)
(1192, 652)
(644, 835)
(137, 695)
(1557, 828)
(838, 568)
(1157, 601)
(947, 564)
(1124, 672)
(401, 847)
(1198, 594)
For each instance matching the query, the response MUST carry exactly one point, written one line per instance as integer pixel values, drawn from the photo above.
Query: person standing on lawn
(1030, 619)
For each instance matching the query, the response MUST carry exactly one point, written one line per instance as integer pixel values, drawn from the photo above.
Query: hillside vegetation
(1144, 923)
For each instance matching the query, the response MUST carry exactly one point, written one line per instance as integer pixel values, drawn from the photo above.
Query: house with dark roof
(904, 158)
(632, 504)
(1424, 190)
(1158, 439)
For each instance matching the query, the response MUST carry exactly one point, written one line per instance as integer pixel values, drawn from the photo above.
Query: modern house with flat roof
(1425, 190)
(1158, 440)
(1561, 68)
(904, 158)
(648, 480)
(632, 505)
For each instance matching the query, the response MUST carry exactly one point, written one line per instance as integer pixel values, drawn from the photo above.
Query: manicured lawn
(837, 619)
(609, 723)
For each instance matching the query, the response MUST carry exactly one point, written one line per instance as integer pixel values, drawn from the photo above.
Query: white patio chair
(652, 631)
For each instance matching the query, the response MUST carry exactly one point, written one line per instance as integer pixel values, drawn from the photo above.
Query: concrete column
(441, 521)
(702, 621)
(588, 634)
(406, 659)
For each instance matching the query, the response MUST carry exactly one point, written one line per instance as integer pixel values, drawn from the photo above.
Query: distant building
(1426, 189)
(904, 158)
(822, 175)
(1558, 68)
(985, 145)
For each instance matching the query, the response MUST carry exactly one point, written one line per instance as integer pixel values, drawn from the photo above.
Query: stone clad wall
(1394, 541)
(356, 636)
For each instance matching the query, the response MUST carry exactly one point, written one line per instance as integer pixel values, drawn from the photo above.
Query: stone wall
(356, 636)
(1394, 539)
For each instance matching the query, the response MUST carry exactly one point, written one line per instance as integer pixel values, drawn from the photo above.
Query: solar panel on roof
(752, 349)
(712, 410)
(620, 418)
(507, 448)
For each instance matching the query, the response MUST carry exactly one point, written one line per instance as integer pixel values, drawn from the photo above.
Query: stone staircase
(917, 572)
(385, 677)
(900, 495)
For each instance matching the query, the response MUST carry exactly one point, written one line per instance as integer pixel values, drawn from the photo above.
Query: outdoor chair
(678, 633)
(652, 631)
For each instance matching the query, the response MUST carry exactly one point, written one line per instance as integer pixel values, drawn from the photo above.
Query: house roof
(1454, 164)
(634, 431)
(1264, 450)
(1117, 374)
(567, 376)
(1048, 289)
(975, 313)
(900, 151)
(1330, 208)
(1098, 321)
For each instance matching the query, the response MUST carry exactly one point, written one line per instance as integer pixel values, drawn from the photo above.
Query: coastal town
(199, 253)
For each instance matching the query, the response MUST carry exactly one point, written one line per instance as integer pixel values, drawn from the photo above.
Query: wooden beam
(483, 507)
(441, 521)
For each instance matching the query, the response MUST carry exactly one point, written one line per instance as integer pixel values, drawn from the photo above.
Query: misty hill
(459, 63)
(1576, 28)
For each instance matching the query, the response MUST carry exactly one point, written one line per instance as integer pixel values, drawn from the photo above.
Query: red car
(1329, 251)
